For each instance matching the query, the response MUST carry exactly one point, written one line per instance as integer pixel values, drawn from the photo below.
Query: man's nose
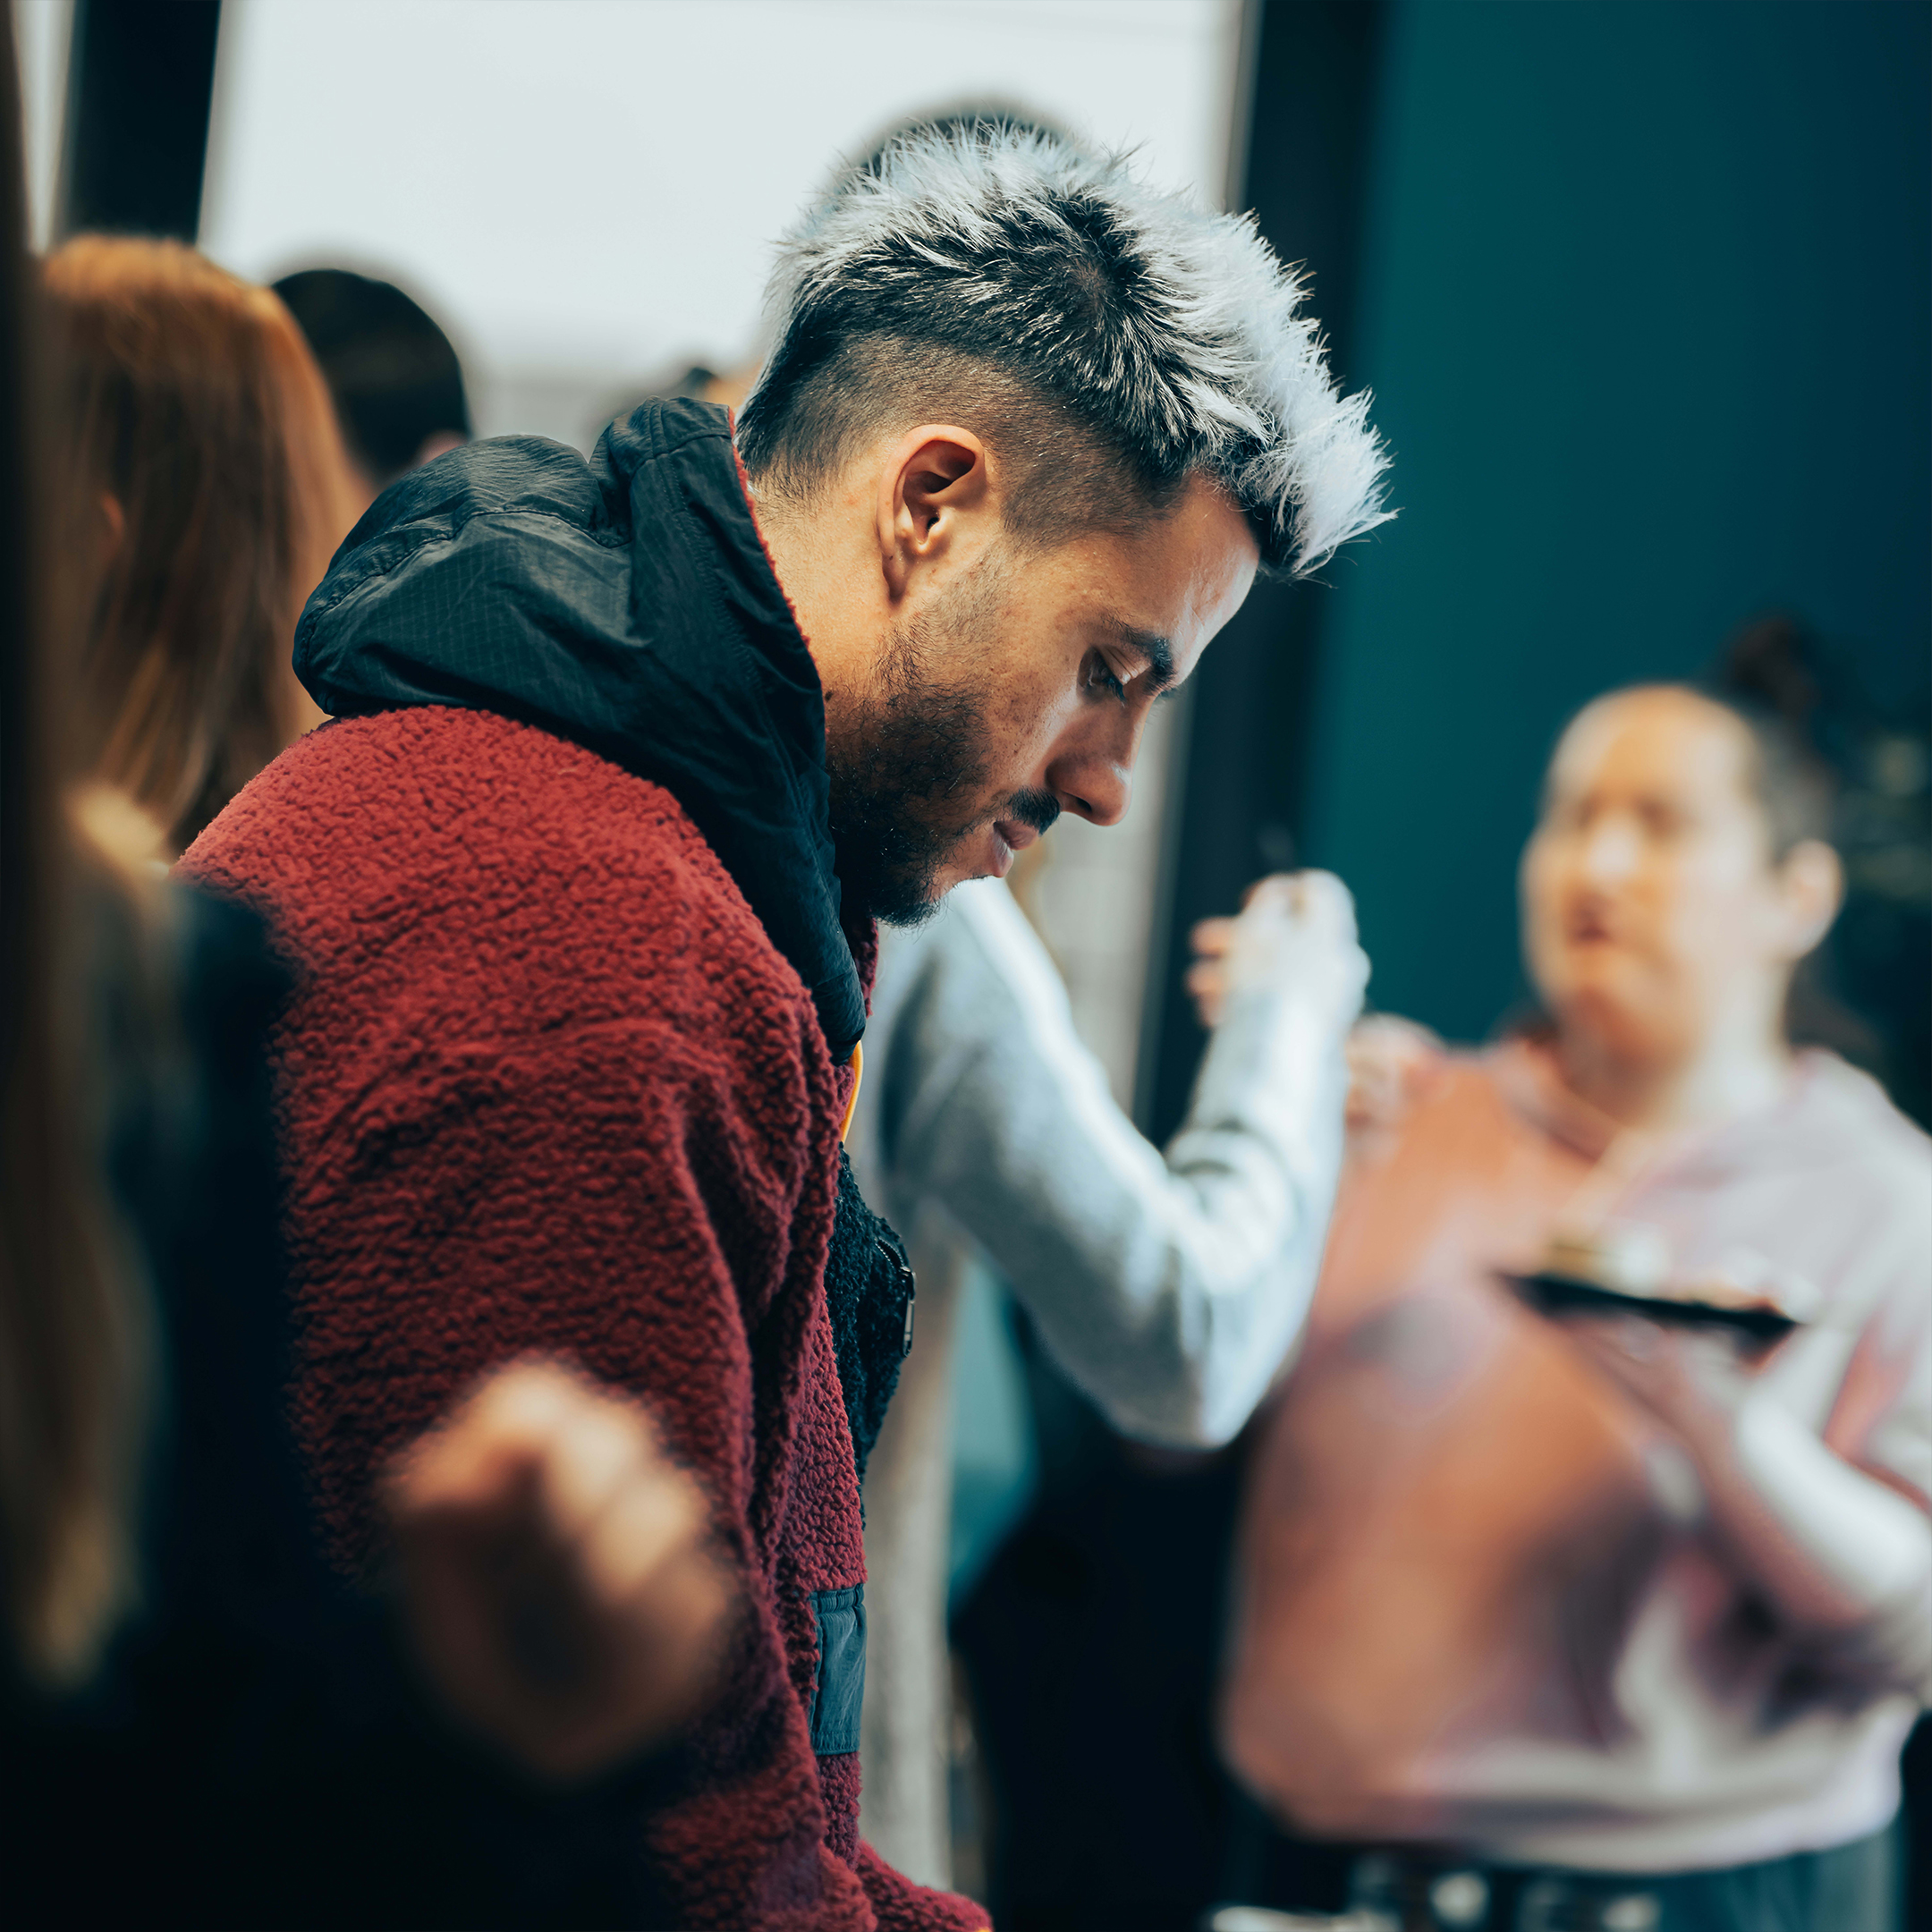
(1095, 784)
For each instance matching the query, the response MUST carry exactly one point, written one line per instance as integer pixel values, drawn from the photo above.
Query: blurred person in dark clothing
(395, 376)
(628, 758)
(1630, 1615)
(202, 487)
(198, 1725)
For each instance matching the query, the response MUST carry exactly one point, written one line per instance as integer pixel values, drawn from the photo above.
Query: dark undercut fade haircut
(1108, 341)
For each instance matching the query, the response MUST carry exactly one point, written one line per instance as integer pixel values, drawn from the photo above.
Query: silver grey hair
(1086, 314)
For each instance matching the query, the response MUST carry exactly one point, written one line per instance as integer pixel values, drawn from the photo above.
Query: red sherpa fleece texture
(544, 1084)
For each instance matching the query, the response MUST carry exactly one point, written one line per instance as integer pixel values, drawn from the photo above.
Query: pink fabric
(1472, 1605)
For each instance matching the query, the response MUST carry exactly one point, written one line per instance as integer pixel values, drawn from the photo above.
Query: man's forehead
(1165, 589)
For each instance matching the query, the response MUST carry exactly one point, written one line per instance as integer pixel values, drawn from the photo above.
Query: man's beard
(908, 767)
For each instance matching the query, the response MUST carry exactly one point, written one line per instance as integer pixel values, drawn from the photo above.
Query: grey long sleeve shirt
(1170, 1288)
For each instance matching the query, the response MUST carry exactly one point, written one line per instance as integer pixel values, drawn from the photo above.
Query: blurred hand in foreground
(1393, 1065)
(557, 1580)
(1295, 934)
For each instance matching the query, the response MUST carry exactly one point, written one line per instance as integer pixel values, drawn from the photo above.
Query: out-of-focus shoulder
(1850, 1107)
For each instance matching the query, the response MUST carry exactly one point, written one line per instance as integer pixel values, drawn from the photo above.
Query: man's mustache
(1039, 810)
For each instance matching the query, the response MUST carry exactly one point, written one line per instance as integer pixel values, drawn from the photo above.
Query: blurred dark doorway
(1312, 89)
(141, 80)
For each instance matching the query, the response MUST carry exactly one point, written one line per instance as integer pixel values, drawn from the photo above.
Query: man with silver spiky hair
(581, 885)
(1111, 348)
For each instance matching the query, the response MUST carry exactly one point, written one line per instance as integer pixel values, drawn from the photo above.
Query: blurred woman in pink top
(1626, 1621)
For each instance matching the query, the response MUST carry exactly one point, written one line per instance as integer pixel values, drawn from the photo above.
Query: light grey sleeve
(1871, 1538)
(1170, 1290)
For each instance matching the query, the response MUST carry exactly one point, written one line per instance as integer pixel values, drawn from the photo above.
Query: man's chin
(902, 900)
(906, 894)
(909, 903)
(980, 853)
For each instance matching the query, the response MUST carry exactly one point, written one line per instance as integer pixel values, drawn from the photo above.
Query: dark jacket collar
(626, 604)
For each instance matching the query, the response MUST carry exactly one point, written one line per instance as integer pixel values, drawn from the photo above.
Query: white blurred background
(585, 193)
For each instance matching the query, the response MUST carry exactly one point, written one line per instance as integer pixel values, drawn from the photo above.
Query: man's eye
(1101, 673)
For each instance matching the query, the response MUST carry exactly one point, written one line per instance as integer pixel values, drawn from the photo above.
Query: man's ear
(1811, 885)
(931, 478)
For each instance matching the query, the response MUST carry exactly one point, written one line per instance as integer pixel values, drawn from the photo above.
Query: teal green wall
(1646, 310)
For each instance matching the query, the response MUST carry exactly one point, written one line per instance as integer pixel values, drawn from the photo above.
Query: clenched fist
(1295, 933)
(557, 1580)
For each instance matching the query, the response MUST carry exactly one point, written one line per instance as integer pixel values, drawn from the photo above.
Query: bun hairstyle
(1828, 763)
(1764, 681)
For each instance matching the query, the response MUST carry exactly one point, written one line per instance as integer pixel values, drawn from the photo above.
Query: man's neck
(817, 581)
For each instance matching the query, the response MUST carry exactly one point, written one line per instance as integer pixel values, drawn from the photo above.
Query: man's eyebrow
(1151, 645)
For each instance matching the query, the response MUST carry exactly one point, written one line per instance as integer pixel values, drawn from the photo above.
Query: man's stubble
(908, 761)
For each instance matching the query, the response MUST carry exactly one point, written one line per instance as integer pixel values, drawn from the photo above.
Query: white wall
(583, 190)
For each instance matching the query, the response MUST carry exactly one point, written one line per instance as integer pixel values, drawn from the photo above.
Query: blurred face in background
(1655, 912)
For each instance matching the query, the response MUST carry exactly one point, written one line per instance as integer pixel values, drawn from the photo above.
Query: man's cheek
(1024, 726)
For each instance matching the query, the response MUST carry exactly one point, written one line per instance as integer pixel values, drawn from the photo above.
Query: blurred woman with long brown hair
(202, 486)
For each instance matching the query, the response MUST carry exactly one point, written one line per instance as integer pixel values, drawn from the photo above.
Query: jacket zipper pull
(908, 1280)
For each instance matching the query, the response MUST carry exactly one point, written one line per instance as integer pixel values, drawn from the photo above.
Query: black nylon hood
(626, 604)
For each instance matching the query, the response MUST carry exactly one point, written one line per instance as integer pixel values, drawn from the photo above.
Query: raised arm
(1170, 1288)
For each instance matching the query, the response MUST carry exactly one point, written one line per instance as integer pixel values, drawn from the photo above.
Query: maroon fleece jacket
(546, 1084)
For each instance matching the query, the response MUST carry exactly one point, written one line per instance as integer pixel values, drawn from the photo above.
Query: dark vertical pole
(1314, 66)
(141, 80)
